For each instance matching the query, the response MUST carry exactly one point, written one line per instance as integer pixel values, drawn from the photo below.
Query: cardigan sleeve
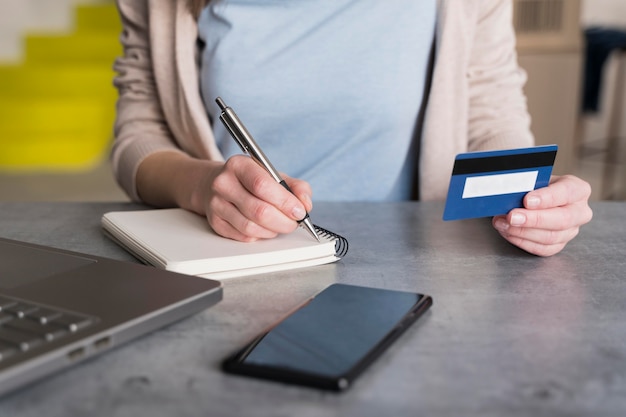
(497, 115)
(140, 126)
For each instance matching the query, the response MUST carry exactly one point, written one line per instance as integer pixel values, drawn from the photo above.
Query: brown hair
(196, 6)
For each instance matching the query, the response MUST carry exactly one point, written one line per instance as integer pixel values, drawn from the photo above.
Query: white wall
(20, 16)
(604, 12)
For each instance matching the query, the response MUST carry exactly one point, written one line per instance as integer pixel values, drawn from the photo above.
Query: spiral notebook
(181, 241)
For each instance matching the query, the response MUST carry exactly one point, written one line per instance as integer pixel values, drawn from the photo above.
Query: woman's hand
(551, 216)
(243, 202)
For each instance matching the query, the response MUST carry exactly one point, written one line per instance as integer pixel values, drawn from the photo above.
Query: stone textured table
(509, 334)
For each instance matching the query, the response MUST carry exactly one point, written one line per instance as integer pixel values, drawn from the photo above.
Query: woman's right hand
(243, 202)
(240, 199)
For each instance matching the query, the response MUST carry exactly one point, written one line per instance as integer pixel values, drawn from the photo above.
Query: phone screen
(331, 339)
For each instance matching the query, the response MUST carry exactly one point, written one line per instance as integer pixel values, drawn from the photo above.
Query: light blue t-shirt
(329, 89)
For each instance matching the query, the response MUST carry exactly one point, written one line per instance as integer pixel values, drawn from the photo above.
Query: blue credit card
(485, 184)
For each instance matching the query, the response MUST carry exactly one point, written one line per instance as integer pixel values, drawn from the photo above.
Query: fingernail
(518, 219)
(502, 224)
(533, 201)
(298, 213)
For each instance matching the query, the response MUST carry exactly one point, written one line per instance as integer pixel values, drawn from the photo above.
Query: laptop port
(102, 343)
(76, 354)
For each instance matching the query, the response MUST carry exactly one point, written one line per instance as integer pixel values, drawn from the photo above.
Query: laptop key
(45, 331)
(71, 322)
(4, 317)
(6, 302)
(25, 325)
(43, 315)
(23, 341)
(20, 309)
(6, 350)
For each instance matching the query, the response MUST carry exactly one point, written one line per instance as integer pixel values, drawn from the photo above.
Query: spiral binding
(341, 243)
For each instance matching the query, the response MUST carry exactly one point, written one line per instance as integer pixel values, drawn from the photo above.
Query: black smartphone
(331, 339)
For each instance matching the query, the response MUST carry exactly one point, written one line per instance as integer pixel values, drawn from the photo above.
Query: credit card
(485, 184)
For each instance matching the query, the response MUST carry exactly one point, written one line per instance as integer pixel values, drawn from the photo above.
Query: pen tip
(306, 223)
(220, 103)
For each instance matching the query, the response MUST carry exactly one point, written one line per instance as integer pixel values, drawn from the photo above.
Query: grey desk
(509, 334)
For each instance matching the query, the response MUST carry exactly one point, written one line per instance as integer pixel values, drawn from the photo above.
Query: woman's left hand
(551, 216)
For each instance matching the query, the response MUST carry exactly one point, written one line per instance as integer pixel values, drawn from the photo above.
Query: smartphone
(331, 339)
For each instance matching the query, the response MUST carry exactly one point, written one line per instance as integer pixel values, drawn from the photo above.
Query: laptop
(58, 308)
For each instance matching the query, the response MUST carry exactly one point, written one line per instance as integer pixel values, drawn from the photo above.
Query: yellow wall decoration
(57, 107)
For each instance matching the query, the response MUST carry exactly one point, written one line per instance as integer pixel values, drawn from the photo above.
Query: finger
(563, 190)
(558, 218)
(535, 248)
(257, 212)
(227, 220)
(302, 190)
(233, 186)
(260, 184)
(225, 229)
(539, 236)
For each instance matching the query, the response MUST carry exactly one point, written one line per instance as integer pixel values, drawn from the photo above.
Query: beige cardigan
(476, 100)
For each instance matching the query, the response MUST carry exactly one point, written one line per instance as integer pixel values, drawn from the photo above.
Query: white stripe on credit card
(498, 184)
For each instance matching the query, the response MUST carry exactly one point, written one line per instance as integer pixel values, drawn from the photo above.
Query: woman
(335, 91)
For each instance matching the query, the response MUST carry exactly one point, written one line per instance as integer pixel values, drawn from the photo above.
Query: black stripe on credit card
(503, 163)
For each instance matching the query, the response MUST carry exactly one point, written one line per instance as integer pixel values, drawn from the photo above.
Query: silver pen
(247, 144)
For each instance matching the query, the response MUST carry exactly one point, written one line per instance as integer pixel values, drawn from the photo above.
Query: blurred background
(57, 101)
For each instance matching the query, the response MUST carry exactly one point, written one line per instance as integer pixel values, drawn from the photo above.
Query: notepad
(181, 241)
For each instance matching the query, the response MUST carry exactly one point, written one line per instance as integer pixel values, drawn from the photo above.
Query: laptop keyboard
(25, 325)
